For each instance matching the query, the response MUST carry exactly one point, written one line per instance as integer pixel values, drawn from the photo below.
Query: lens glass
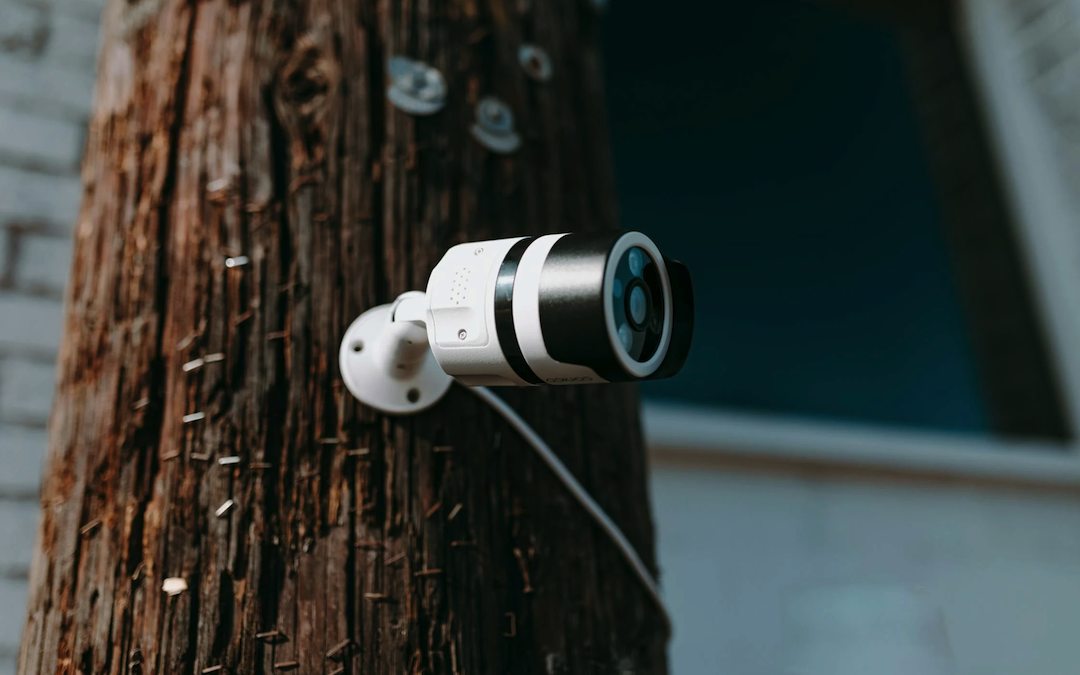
(626, 337)
(637, 304)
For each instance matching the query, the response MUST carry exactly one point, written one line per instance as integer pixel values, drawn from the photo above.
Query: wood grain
(227, 128)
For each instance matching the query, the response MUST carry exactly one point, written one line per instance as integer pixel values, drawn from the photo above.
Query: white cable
(579, 493)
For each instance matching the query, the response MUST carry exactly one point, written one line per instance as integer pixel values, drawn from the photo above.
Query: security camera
(555, 309)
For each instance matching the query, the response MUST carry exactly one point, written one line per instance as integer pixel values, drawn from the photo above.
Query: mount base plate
(370, 379)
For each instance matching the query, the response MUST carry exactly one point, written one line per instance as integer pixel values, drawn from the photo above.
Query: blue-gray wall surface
(47, 57)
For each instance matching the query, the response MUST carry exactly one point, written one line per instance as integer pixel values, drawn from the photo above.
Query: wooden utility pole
(249, 192)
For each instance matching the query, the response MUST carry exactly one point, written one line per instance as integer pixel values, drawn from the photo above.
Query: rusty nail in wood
(90, 527)
(194, 417)
(280, 335)
(272, 636)
(211, 669)
(454, 512)
(224, 508)
(513, 625)
(524, 571)
(435, 507)
(140, 404)
(242, 318)
(443, 448)
(358, 452)
(260, 465)
(338, 652)
(287, 665)
(428, 573)
(376, 597)
(456, 544)
(393, 559)
(138, 571)
(213, 358)
(170, 456)
(200, 457)
(237, 261)
(329, 441)
(225, 461)
(192, 365)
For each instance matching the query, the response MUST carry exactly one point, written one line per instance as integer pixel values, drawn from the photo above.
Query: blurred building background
(878, 201)
(47, 57)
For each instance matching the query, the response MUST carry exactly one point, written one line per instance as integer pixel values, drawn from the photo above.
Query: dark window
(787, 153)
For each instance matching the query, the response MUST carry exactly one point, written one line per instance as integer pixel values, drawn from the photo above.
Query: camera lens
(637, 261)
(639, 305)
(605, 301)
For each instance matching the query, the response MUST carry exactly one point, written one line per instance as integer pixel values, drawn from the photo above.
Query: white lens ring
(639, 369)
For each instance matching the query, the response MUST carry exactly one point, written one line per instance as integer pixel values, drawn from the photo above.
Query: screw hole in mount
(413, 395)
(358, 346)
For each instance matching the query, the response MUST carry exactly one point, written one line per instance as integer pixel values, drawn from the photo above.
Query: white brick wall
(26, 196)
(85, 9)
(1002, 566)
(43, 264)
(47, 58)
(26, 392)
(13, 593)
(29, 325)
(59, 90)
(22, 454)
(24, 28)
(41, 143)
(73, 43)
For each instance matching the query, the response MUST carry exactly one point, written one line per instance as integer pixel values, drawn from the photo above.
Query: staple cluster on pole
(418, 88)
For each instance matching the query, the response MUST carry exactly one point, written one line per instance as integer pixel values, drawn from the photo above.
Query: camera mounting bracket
(385, 359)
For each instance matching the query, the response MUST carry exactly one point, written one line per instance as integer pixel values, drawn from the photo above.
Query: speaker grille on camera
(459, 284)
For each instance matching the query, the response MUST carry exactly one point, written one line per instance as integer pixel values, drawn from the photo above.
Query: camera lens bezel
(630, 240)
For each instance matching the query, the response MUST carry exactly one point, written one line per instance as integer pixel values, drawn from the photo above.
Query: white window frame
(1047, 219)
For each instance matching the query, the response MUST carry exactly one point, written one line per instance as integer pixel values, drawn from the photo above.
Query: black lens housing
(573, 315)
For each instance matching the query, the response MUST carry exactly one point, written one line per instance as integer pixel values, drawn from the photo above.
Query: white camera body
(554, 309)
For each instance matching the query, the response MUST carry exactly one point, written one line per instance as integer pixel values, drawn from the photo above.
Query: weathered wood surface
(261, 129)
